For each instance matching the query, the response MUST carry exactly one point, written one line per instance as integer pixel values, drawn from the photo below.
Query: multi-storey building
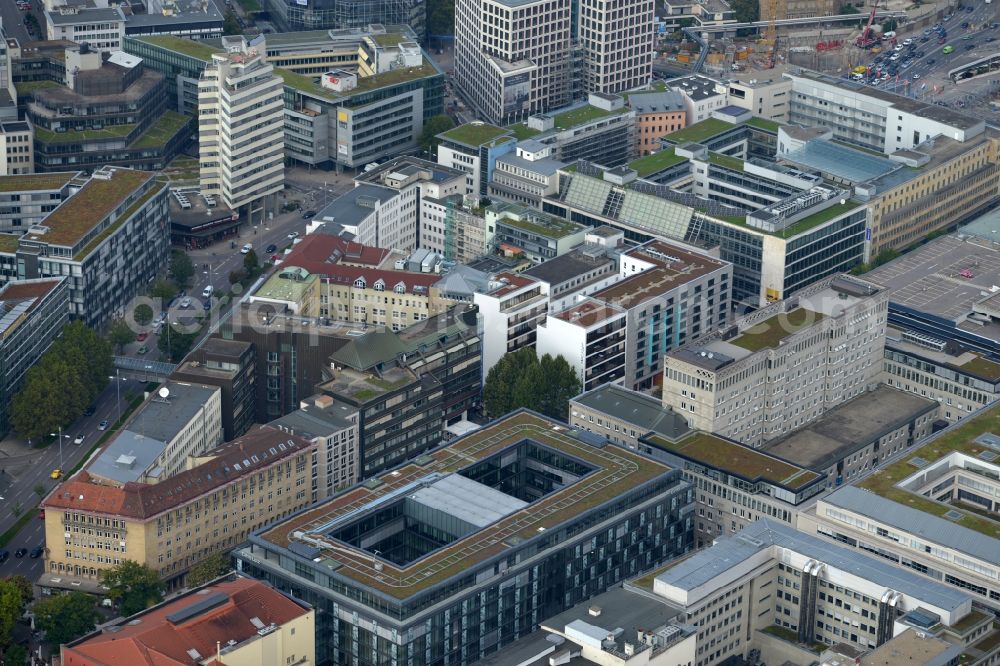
(32, 315)
(179, 421)
(474, 148)
(617, 42)
(590, 335)
(873, 118)
(539, 236)
(333, 427)
(581, 271)
(231, 621)
(512, 307)
(111, 237)
(421, 569)
(228, 365)
(656, 114)
(211, 506)
(181, 62)
(103, 29)
(26, 200)
(350, 16)
(701, 96)
(771, 578)
(241, 127)
(767, 99)
(111, 111)
(526, 175)
(784, 365)
(601, 130)
(624, 416)
(17, 152)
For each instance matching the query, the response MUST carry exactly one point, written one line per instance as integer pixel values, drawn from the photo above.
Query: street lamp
(60, 435)
(118, 391)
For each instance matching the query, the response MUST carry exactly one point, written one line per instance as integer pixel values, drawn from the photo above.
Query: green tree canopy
(181, 268)
(250, 262)
(522, 379)
(208, 569)
(163, 290)
(746, 10)
(143, 314)
(66, 617)
(433, 127)
(120, 334)
(848, 8)
(15, 655)
(441, 17)
(176, 344)
(24, 587)
(135, 586)
(230, 26)
(11, 608)
(75, 368)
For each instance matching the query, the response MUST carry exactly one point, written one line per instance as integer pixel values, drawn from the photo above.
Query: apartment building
(241, 127)
(232, 621)
(512, 308)
(112, 235)
(656, 114)
(512, 59)
(873, 118)
(783, 366)
(768, 99)
(474, 148)
(387, 597)
(617, 42)
(581, 271)
(333, 427)
(17, 152)
(102, 28)
(32, 315)
(772, 579)
(179, 421)
(26, 200)
(407, 386)
(210, 506)
(591, 337)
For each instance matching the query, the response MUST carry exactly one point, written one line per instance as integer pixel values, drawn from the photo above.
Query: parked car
(186, 303)
(246, 248)
(56, 474)
(271, 249)
(142, 350)
(293, 235)
(308, 214)
(141, 337)
(103, 425)
(79, 438)
(4, 555)
(36, 552)
(20, 552)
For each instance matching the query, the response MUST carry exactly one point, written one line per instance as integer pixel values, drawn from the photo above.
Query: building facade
(617, 39)
(17, 152)
(27, 200)
(656, 114)
(103, 29)
(241, 127)
(386, 607)
(512, 308)
(474, 148)
(228, 365)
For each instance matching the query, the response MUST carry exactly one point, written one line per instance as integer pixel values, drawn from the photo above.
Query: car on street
(967, 38)
(56, 474)
(916, 77)
(271, 249)
(308, 214)
(246, 248)
(141, 337)
(142, 350)
(991, 39)
(907, 41)
(930, 61)
(36, 552)
(4, 555)
(90, 411)
(103, 425)
(20, 552)
(293, 235)
(79, 438)
(186, 303)
(895, 57)
(207, 305)
(965, 25)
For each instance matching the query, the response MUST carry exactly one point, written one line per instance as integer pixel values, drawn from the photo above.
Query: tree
(433, 127)
(237, 276)
(230, 26)
(15, 655)
(747, 10)
(23, 586)
(208, 569)
(10, 609)
(66, 617)
(17, 509)
(39, 490)
(135, 586)
(120, 334)
(163, 290)
(848, 8)
(181, 268)
(250, 262)
(143, 314)
(522, 379)
(176, 345)
(441, 17)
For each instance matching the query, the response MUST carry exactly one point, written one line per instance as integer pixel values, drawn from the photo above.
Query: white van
(207, 292)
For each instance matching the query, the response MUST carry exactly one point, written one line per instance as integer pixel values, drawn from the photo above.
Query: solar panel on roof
(197, 608)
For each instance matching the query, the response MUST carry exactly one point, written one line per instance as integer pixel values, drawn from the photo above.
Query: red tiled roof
(247, 454)
(330, 249)
(319, 254)
(152, 639)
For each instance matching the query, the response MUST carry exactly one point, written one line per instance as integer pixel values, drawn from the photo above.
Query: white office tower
(241, 127)
(617, 41)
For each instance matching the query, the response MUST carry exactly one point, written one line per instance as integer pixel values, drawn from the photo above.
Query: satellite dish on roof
(163, 392)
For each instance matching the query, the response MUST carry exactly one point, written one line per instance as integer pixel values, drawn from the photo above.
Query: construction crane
(868, 38)
(774, 8)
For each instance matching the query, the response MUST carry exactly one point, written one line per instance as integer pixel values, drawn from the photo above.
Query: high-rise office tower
(617, 41)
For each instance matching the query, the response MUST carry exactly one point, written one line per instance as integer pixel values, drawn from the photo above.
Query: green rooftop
(111, 228)
(764, 124)
(111, 132)
(959, 438)
(582, 115)
(522, 131)
(289, 285)
(655, 162)
(539, 223)
(982, 367)
(699, 132)
(768, 333)
(309, 85)
(39, 181)
(707, 449)
(476, 134)
(159, 133)
(390, 39)
(188, 47)
(726, 161)
(24, 87)
(9, 242)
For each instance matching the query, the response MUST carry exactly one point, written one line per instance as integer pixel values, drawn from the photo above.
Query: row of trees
(63, 384)
(522, 379)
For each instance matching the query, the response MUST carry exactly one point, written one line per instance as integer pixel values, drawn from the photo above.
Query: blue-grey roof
(86, 15)
(727, 552)
(646, 412)
(161, 419)
(656, 102)
(127, 457)
(924, 525)
(345, 209)
(843, 162)
(312, 421)
(544, 166)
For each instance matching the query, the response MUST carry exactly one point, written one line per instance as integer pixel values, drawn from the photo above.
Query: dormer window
(360, 283)
(380, 285)
(400, 288)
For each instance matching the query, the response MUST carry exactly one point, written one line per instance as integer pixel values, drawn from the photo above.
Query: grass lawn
(582, 115)
(655, 162)
(726, 161)
(764, 124)
(698, 132)
(475, 134)
(162, 131)
(522, 131)
(768, 333)
(112, 132)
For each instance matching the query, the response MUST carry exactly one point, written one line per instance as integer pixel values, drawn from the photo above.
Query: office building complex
(329, 16)
(177, 522)
(536, 235)
(231, 621)
(474, 148)
(229, 366)
(784, 365)
(617, 43)
(241, 127)
(601, 130)
(32, 315)
(423, 548)
(101, 28)
(26, 200)
(112, 236)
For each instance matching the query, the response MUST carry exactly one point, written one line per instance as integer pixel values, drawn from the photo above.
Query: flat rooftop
(945, 278)
(848, 427)
(912, 647)
(198, 50)
(570, 266)
(309, 84)
(37, 182)
(476, 134)
(588, 313)
(536, 222)
(754, 465)
(609, 472)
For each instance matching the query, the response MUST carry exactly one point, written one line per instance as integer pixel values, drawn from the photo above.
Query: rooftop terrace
(476, 134)
(615, 471)
(308, 84)
(699, 132)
